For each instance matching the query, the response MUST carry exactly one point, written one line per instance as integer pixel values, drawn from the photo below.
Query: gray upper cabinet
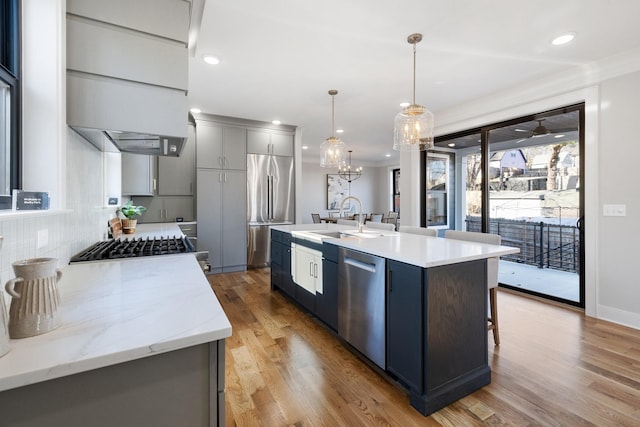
(267, 142)
(176, 175)
(220, 147)
(138, 175)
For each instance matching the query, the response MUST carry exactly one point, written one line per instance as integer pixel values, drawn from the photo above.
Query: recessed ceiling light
(387, 155)
(405, 104)
(276, 122)
(559, 136)
(196, 110)
(339, 130)
(451, 144)
(211, 60)
(304, 147)
(563, 39)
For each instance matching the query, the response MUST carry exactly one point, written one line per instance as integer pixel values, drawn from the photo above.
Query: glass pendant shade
(413, 127)
(413, 130)
(332, 153)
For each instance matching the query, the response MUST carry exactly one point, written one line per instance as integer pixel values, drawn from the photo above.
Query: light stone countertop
(422, 251)
(117, 311)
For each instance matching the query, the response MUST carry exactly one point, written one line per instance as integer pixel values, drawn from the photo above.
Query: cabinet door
(282, 144)
(404, 323)
(304, 265)
(209, 215)
(176, 174)
(138, 175)
(285, 279)
(234, 218)
(258, 142)
(155, 209)
(327, 301)
(208, 146)
(235, 148)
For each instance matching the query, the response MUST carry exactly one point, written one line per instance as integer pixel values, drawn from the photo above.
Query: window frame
(10, 44)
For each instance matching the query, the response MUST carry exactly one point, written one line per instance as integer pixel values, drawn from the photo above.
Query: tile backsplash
(64, 232)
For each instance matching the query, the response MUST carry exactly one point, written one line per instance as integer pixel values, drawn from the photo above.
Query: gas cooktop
(132, 248)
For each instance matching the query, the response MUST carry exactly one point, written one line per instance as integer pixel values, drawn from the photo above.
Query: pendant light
(413, 130)
(349, 174)
(332, 150)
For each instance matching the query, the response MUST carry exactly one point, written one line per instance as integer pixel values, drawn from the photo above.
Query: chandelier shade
(348, 173)
(333, 150)
(414, 125)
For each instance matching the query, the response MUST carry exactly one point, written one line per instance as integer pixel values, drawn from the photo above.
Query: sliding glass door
(522, 180)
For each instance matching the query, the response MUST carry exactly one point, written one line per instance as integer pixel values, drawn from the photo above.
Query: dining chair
(392, 218)
(376, 217)
(334, 214)
(347, 222)
(492, 272)
(381, 226)
(316, 218)
(418, 230)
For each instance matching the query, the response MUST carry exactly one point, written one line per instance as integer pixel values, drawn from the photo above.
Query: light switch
(614, 210)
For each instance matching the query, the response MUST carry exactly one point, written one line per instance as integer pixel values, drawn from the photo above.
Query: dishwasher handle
(359, 264)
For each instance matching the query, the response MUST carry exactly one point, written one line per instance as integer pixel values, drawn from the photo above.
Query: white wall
(372, 188)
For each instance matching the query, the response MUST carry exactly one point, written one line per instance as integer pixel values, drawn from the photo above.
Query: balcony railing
(541, 244)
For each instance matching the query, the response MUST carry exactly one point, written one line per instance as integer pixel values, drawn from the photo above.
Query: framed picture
(337, 189)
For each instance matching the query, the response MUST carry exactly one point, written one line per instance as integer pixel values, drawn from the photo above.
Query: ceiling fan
(542, 130)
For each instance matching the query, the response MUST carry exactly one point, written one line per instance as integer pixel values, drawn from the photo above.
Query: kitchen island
(433, 311)
(141, 343)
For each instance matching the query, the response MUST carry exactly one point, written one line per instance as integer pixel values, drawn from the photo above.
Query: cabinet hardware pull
(311, 268)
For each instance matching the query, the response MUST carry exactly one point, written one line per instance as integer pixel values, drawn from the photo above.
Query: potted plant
(129, 211)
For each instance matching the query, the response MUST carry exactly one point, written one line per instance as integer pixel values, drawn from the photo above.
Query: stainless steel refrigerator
(270, 201)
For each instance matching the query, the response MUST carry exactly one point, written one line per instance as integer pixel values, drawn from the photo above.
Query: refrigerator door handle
(268, 197)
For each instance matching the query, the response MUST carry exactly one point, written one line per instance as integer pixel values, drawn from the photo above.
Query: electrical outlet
(42, 239)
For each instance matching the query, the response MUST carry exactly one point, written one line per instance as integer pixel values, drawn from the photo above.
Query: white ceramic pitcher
(35, 298)
(4, 322)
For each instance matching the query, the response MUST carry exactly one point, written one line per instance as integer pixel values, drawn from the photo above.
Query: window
(9, 100)
(396, 190)
(437, 185)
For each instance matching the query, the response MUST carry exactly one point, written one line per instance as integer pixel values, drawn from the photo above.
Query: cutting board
(116, 227)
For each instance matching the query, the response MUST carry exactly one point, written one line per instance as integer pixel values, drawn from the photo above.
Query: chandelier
(413, 130)
(332, 150)
(349, 174)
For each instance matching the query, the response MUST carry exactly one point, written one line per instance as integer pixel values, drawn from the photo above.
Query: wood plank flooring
(554, 367)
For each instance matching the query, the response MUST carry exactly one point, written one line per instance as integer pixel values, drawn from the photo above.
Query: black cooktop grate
(131, 248)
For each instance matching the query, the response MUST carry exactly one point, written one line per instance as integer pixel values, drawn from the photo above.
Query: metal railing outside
(541, 244)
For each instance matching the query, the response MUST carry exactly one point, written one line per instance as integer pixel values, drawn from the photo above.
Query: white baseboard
(615, 315)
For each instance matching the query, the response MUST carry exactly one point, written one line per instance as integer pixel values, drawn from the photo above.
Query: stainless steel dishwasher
(361, 303)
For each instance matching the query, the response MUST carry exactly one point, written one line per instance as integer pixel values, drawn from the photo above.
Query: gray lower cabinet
(222, 218)
(179, 388)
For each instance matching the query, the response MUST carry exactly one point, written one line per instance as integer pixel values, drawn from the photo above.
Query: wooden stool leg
(493, 306)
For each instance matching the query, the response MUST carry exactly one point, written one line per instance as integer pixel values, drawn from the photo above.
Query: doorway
(523, 180)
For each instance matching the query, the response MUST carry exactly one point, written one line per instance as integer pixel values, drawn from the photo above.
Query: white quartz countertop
(422, 251)
(117, 311)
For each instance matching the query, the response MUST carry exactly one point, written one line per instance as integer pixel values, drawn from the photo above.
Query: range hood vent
(131, 142)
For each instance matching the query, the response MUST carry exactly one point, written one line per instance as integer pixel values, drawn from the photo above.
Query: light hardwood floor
(554, 367)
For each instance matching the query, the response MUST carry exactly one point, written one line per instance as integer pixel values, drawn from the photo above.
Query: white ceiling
(279, 58)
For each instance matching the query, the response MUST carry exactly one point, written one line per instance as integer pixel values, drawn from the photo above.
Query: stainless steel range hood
(131, 142)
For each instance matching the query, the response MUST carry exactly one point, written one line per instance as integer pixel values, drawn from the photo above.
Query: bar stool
(492, 273)
(418, 230)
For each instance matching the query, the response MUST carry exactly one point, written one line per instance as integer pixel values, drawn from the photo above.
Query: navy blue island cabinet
(436, 320)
